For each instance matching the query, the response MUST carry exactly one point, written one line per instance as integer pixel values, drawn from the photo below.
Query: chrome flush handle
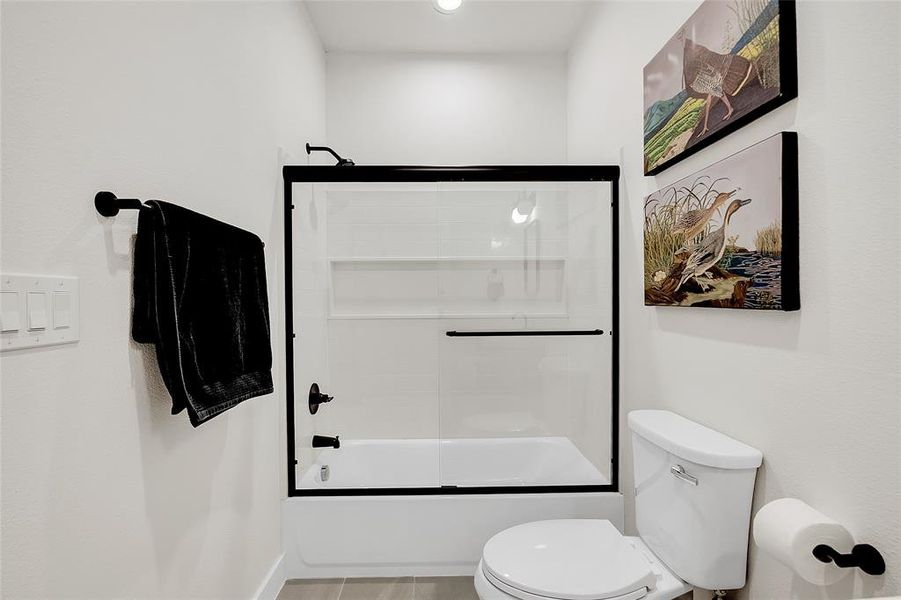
(679, 471)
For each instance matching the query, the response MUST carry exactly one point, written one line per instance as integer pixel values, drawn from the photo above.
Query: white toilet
(693, 489)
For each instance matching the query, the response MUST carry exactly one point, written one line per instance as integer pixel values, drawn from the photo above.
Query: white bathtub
(435, 534)
(460, 463)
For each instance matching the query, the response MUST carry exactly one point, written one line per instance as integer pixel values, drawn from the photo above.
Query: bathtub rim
(453, 490)
(312, 174)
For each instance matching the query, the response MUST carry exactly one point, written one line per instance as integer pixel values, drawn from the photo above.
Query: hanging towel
(200, 298)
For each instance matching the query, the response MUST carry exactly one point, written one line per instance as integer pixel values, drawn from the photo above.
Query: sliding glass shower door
(366, 331)
(461, 329)
(524, 357)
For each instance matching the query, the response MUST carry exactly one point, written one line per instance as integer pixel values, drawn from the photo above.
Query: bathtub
(434, 534)
(458, 463)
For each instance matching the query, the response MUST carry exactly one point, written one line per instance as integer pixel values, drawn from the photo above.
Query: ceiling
(479, 26)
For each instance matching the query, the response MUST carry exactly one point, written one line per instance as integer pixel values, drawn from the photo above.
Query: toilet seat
(567, 559)
(511, 592)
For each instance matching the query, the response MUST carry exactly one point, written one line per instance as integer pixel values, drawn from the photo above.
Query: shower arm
(342, 162)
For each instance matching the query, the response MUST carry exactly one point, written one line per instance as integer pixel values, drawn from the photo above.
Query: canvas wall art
(727, 236)
(731, 62)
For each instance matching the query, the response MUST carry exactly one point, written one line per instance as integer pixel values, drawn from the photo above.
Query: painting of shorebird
(731, 62)
(727, 236)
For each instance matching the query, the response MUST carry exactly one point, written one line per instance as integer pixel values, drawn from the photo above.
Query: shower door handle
(524, 332)
(679, 471)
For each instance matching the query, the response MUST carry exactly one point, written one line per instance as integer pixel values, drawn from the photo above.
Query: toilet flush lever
(679, 471)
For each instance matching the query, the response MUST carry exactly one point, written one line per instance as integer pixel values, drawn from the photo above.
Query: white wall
(447, 109)
(105, 494)
(818, 390)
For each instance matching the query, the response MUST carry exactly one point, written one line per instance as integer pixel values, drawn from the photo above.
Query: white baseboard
(273, 582)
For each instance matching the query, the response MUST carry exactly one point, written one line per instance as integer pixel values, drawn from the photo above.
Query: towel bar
(108, 205)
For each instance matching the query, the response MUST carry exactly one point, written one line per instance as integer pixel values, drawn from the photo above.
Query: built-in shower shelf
(406, 287)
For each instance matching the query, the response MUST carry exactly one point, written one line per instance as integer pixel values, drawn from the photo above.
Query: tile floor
(398, 588)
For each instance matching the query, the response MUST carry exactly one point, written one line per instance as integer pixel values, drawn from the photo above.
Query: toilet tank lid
(692, 441)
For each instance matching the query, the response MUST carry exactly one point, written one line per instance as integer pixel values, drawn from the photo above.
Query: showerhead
(342, 162)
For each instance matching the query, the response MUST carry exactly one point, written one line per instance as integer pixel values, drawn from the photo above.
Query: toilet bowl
(693, 490)
(572, 559)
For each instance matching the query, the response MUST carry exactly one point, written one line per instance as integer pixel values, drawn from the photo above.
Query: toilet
(693, 490)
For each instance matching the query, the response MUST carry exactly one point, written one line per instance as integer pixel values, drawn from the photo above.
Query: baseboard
(273, 582)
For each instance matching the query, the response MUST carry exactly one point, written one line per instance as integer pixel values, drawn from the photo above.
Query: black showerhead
(342, 162)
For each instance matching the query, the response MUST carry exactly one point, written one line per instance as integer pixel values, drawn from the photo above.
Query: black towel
(200, 298)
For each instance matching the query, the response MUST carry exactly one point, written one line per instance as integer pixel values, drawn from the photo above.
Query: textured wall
(818, 390)
(105, 494)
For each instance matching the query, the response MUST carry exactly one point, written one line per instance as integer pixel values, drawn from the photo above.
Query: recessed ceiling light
(447, 6)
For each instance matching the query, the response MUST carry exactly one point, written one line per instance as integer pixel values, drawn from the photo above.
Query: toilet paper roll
(789, 529)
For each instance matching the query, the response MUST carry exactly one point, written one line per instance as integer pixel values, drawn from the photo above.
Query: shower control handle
(316, 398)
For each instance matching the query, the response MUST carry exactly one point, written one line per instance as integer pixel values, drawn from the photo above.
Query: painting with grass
(731, 62)
(727, 236)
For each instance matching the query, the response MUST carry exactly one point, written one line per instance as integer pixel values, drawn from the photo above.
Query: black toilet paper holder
(863, 556)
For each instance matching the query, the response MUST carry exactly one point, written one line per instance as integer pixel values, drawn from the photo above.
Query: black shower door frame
(421, 174)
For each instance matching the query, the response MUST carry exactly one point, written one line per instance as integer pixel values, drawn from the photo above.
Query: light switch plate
(62, 302)
(36, 302)
(38, 310)
(10, 317)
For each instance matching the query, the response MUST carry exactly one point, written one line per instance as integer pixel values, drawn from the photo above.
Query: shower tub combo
(463, 319)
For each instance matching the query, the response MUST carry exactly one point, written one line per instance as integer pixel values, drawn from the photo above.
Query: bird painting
(691, 223)
(729, 63)
(714, 76)
(706, 244)
(706, 253)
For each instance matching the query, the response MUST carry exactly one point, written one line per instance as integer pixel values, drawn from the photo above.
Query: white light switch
(61, 304)
(9, 311)
(37, 310)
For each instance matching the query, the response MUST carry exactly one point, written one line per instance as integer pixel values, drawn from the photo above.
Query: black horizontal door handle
(524, 332)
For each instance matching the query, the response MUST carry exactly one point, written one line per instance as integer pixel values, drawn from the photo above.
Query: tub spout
(324, 441)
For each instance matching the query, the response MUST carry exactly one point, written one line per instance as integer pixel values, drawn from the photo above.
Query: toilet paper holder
(863, 556)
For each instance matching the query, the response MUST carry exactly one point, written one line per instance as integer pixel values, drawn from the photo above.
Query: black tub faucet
(324, 441)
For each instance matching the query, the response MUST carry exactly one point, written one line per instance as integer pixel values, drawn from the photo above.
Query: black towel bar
(524, 332)
(108, 205)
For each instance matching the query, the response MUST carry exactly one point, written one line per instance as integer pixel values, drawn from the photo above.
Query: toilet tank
(693, 490)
